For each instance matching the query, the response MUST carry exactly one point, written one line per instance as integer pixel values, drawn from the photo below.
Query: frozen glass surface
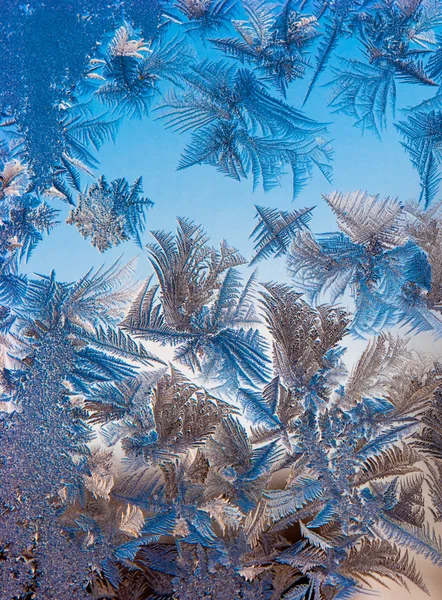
(220, 299)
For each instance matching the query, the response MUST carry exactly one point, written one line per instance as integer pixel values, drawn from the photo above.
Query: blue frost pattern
(201, 434)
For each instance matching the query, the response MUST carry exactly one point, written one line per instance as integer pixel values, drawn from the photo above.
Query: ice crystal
(110, 213)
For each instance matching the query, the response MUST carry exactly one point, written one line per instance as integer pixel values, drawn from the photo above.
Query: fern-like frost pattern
(206, 432)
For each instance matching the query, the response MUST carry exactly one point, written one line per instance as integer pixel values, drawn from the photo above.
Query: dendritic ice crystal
(231, 415)
(109, 214)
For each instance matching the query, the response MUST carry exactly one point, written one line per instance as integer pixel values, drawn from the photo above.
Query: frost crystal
(110, 213)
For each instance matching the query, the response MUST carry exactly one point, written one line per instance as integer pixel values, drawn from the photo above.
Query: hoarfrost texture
(126, 475)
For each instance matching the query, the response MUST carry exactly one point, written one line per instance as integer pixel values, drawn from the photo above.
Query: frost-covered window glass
(220, 299)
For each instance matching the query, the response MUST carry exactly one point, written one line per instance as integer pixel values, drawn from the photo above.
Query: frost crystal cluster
(201, 432)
